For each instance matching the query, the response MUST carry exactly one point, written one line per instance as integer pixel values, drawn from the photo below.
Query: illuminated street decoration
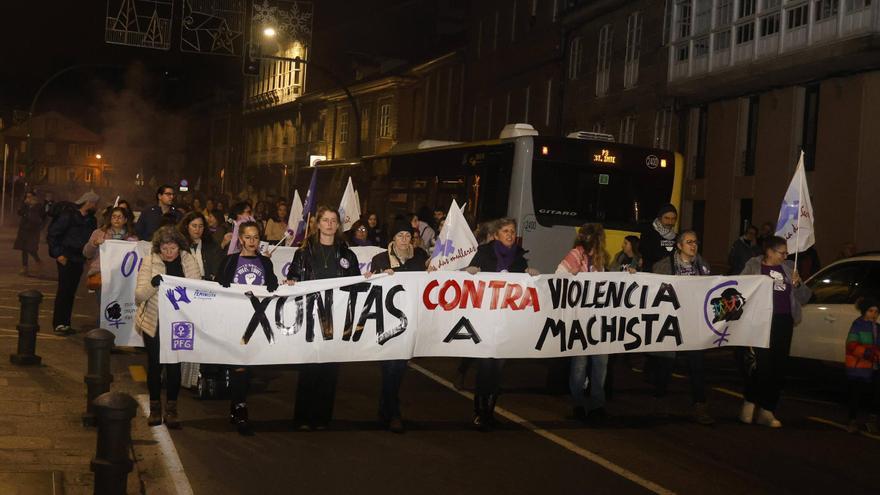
(290, 20)
(212, 27)
(140, 23)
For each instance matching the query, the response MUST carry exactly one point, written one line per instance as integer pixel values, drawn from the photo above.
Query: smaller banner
(349, 207)
(795, 223)
(120, 262)
(456, 245)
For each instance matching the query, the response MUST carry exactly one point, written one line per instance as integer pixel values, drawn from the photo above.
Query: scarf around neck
(665, 232)
(505, 256)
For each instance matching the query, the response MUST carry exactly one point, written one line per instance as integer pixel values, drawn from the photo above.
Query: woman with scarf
(587, 255)
(322, 255)
(359, 235)
(658, 240)
(499, 255)
(401, 256)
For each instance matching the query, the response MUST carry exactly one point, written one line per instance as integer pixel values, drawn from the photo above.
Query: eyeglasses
(784, 254)
(362, 229)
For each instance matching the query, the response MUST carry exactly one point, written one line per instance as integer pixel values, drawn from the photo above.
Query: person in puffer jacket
(863, 364)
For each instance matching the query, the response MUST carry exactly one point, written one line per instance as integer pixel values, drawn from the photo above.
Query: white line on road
(840, 426)
(562, 442)
(169, 452)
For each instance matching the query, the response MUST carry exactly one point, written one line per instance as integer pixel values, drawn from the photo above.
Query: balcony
(797, 28)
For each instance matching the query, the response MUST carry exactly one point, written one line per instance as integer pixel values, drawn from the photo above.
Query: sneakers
(764, 417)
(64, 330)
(747, 413)
(155, 417)
(238, 416)
(701, 414)
(170, 417)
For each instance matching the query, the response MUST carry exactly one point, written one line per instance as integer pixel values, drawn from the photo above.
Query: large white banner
(456, 314)
(120, 261)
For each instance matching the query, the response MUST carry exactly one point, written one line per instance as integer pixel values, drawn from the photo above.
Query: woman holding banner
(401, 256)
(247, 267)
(323, 254)
(118, 225)
(169, 256)
(587, 255)
(499, 255)
(764, 384)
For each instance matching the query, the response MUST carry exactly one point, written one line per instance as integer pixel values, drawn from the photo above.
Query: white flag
(795, 223)
(295, 218)
(456, 245)
(349, 208)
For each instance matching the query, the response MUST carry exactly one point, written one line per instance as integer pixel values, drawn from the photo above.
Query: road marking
(39, 335)
(169, 452)
(562, 442)
(728, 392)
(138, 373)
(842, 427)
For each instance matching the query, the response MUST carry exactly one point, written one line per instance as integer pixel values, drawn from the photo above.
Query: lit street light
(269, 32)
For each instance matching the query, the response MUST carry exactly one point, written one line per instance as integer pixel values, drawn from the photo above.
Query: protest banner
(120, 261)
(500, 315)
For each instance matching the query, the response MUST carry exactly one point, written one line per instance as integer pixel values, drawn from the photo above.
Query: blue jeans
(389, 399)
(577, 376)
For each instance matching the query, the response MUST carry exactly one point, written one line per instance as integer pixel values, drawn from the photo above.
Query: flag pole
(797, 240)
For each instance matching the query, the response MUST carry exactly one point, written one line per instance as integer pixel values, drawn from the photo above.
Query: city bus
(550, 185)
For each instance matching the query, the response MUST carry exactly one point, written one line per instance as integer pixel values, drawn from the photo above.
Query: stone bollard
(112, 462)
(28, 326)
(99, 342)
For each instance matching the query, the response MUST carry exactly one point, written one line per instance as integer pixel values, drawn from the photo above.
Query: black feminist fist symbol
(259, 318)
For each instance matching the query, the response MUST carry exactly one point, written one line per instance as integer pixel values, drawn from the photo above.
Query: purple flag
(309, 208)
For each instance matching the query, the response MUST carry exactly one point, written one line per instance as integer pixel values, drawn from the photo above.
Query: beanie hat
(667, 208)
(88, 197)
(401, 225)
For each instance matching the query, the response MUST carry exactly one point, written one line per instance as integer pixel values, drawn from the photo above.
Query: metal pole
(28, 326)
(3, 196)
(111, 464)
(98, 343)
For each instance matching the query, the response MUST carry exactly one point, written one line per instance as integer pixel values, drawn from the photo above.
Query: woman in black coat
(31, 217)
(323, 255)
(499, 255)
(401, 256)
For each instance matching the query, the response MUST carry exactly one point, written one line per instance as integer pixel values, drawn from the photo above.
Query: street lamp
(98, 156)
(269, 32)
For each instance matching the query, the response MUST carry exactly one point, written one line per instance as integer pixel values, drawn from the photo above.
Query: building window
(71, 174)
(797, 16)
(603, 61)
(825, 9)
(89, 175)
(50, 148)
(724, 14)
(599, 127)
(343, 127)
(365, 124)
(662, 128)
(73, 151)
(702, 134)
(574, 58)
(633, 48)
(770, 24)
(701, 47)
(745, 33)
(22, 146)
(683, 19)
(810, 125)
(770, 5)
(682, 52)
(852, 5)
(628, 129)
(702, 17)
(385, 120)
(751, 136)
(746, 8)
(722, 40)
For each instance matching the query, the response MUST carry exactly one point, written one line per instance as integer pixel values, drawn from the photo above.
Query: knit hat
(401, 225)
(88, 197)
(667, 208)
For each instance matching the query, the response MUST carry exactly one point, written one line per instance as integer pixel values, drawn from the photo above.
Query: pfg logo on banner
(182, 336)
(725, 304)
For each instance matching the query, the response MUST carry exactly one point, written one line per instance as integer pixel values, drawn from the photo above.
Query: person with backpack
(68, 234)
(159, 214)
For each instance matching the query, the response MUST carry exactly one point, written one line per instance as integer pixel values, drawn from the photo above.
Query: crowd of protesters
(191, 239)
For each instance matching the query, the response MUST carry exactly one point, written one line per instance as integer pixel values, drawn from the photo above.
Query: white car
(822, 332)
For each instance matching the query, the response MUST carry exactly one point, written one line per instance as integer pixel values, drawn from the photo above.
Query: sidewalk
(44, 448)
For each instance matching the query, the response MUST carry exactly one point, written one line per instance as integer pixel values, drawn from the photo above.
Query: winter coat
(92, 252)
(654, 247)
(486, 260)
(226, 273)
(666, 266)
(301, 266)
(29, 226)
(150, 221)
(862, 350)
(576, 262)
(211, 255)
(69, 233)
(799, 295)
(740, 252)
(620, 260)
(382, 261)
(147, 297)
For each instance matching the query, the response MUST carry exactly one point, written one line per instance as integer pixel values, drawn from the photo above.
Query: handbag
(93, 281)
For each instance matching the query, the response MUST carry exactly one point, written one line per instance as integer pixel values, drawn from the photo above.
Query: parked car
(828, 315)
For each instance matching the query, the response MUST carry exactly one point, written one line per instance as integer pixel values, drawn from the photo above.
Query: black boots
(484, 411)
(155, 418)
(238, 416)
(170, 416)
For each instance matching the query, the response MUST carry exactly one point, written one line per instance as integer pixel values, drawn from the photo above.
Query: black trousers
(661, 373)
(24, 257)
(489, 376)
(315, 394)
(154, 372)
(764, 385)
(858, 388)
(68, 281)
(239, 384)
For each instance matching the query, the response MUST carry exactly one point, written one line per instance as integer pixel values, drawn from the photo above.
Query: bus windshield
(620, 186)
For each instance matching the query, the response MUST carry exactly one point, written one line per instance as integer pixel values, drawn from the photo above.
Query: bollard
(99, 342)
(112, 463)
(28, 326)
